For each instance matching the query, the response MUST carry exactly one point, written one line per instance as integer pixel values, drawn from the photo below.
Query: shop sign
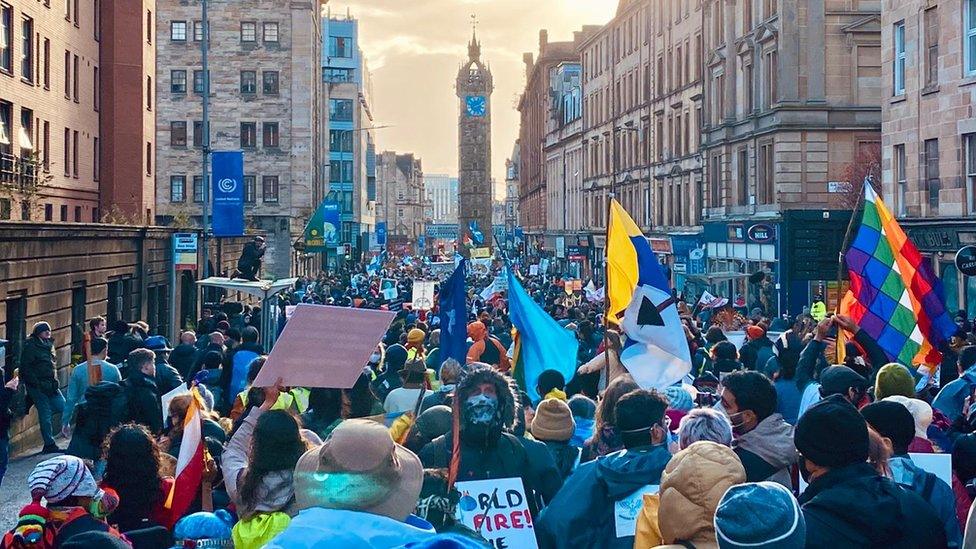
(966, 260)
(574, 253)
(762, 233)
(736, 232)
(660, 245)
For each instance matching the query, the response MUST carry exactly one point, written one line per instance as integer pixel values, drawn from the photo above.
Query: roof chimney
(527, 59)
(543, 39)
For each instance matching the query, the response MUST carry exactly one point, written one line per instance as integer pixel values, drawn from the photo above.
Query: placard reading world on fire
(499, 511)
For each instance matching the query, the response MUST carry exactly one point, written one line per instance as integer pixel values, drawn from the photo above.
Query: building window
(149, 156)
(765, 193)
(177, 81)
(747, 85)
(250, 189)
(4, 208)
(743, 169)
(969, 140)
(67, 152)
(340, 110)
(271, 32)
(149, 93)
(96, 160)
(335, 171)
(47, 63)
(769, 80)
(77, 214)
(6, 38)
(177, 133)
(249, 82)
(177, 31)
(249, 135)
(340, 141)
(198, 82)
(25, 211)
(27, 49)
(347, 171)
(149, 26)
(74, 154)
(901, 179)
(198, 189)
(197, 133)
(270, 79)
(67, 74)
(715, 181)
(197, 31)
(26, 133)
(269, 187)
(64, 212)
(75, 70)
(269, 131)
(899, 69)
(932, 182)
(48, 212)
(340, 46)
(932, 47)
(96, 95)
(249, 31)
(177, 188)
(46, 153)
(970, 45)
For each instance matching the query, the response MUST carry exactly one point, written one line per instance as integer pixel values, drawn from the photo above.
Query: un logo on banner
(227, 185)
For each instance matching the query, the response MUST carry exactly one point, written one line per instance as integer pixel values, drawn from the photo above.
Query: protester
(761, 438)
(167, 377)
(553, 425)
(953, 395)
(679, 402)
(725, 359)
(237, 363)
(431, 423)
(6, 396)
(551, 384)
(895, 423)
(584, 410)
(847, 504)
(444, 395)
(121, 342)
(757, 350)
(781, 368)
(761, 515)
(98, 369)
(409, 396)
(964, 476)
(211, 429)
(358, 489)
(37, 373)
(605, 437)
(894, 379)
(132, 471)
(582, 513)
(139, 389)
(184, 356)
(486, 348)
(324, 412)
(704, 424)
(842, 380)
(922, 415)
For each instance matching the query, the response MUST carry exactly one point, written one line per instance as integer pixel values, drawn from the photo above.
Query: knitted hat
(434, 421)
(40, 327)
(836, 380)
(759, 514)
(891, 420)
(60, 477)
(416, 336)
(755, 332)
(894, 379)
(553, 421)
(832, 434)
(921, 412)
(679, 398)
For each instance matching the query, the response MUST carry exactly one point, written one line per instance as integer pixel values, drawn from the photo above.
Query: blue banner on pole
(331, 221)
(381, 233)
(228, 193)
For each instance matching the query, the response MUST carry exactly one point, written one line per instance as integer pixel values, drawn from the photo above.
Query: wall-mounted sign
(966, 260)
(762, 233)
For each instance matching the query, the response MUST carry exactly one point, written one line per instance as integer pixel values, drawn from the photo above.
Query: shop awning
(721, 275)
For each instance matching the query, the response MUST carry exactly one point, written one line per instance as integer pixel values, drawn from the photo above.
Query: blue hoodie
(941, 497)
(950, 399)
(326, 528)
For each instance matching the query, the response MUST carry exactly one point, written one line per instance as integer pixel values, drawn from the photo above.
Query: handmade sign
(498, 510)
(324, 346)
(423, 294)
(388, 287)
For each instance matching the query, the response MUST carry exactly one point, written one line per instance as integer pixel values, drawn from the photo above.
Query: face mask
(374, 358)
(480, 409)
(737, 425)
(802, 464)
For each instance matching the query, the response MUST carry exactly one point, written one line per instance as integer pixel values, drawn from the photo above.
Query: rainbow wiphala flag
(895, 296)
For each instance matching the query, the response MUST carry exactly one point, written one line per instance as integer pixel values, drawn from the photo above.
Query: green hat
(894, 379)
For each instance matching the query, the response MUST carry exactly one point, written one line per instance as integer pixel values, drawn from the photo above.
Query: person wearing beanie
(950, 399)
(553, 424)
(757, 350)
(583, 512)
(894, 379)
(415, 344)
(894, 422)
(759, 515)
(37, 372)
(431, 423)
(922, 414)
(691, 487)
(846, 503)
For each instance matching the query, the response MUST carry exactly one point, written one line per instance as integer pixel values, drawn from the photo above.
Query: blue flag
(543, 343)
(228, 193)
(453, 314)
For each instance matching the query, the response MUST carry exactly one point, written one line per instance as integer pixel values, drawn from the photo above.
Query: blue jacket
(326, 528)
(582, 513)
(950, 399)
(939, 495)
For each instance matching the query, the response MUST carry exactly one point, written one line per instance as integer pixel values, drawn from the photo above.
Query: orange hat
(755, 332)
(416, 336)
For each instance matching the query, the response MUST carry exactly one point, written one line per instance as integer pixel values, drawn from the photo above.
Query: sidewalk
(13, 492)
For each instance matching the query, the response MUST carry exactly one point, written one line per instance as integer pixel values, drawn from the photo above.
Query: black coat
(144, 404)
(37, 365)
(167, 378)
(104, 408)
(183, 358)
(121, 344)
(854, 507)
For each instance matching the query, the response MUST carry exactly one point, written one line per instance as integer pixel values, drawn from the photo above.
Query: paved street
(13, 491)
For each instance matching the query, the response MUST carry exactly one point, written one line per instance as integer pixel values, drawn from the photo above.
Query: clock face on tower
(475, 105)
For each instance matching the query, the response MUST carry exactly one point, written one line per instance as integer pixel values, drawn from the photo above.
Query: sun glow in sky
(415, 47)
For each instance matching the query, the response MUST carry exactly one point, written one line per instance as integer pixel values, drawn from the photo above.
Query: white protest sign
(501, 283)
(423, 294)
(533, 270)
(289, 311)
(388, 287)
(939, 465)
(165, 399)
(498, 510)
(626, 511)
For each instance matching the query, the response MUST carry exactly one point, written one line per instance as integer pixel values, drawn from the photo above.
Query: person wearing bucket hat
(404, 398)
(167, 377)
(358, 489)
(37, 373)
(760, 515)
(553, 425)
(75, 505)
(847, 504)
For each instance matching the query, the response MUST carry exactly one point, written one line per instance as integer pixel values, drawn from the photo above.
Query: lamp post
(204, 54)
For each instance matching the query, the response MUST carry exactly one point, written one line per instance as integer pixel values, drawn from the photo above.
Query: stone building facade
(265, 98)
(929, 131)
(401, 199)
(474, 87)
(60, 89)
(442, 192)
(792, 94)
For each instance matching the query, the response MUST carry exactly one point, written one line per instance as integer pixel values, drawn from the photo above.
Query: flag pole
(847, 236)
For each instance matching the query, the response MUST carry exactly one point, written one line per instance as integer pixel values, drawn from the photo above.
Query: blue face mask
(480, 409)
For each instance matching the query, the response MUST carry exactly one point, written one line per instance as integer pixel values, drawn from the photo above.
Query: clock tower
(474, 87)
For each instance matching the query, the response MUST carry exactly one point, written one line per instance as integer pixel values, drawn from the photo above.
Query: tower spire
(474, 47)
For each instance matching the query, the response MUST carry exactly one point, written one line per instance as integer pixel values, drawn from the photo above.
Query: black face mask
(802, 465)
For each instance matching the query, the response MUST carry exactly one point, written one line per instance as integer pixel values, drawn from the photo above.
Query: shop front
(743, 264)
(938, 242)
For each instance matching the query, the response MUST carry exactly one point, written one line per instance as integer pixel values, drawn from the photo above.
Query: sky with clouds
(415, 47)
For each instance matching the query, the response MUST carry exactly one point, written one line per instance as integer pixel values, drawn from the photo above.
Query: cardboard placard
(480, 252)
(423, 294)
(324, 346)
(498, 510)
(388, 287)
(533, 270)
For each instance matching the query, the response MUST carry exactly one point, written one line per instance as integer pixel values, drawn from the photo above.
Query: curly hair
(276, 445)
(132, 469)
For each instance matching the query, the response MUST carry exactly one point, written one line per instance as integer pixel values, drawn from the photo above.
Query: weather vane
(474, 23)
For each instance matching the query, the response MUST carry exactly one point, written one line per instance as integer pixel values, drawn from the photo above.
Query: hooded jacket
(101, 410)
(934, 490)
(755, 353)
(950, 399)
(853, 507)
(767, 452)
(325, 528)
(143, 401)
(582, 513)
(692, 485)
(37, 365)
